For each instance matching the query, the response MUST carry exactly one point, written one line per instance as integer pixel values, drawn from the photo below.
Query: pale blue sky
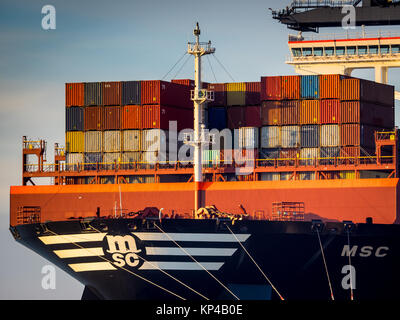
(105, 41)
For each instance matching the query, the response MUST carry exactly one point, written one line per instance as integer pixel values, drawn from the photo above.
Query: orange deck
(339, 200)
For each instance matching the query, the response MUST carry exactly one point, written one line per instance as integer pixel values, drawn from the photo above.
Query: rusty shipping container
(309, 112)
(131, 117)
(357, 135)
(158, 117)
(111, 92)
(291, 87)
(330, 111)
(366, 113)
(74, 94)
(252, 95)
(330, 86)
(290, 112)
(271, 113)
(289, 153)
(253, 116)
(186, 82)
(364, 90)
(93, 118)
(350, 152)
(271, 88)
(160, 92)
(112, 118)
(93, 95)
(236, 117)
(219, 90)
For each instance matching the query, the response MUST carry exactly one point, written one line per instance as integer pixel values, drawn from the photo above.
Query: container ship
(285, 188)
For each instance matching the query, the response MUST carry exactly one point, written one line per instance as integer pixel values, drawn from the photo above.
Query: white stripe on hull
(220, 252)
(195, 237)
(167, 265)
(72, 238)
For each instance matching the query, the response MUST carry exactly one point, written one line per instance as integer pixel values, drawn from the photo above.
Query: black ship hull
(173, 259)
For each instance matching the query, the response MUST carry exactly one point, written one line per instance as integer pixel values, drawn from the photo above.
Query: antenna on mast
(199, 97)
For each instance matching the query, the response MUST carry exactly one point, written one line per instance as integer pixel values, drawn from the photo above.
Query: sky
(97, 40)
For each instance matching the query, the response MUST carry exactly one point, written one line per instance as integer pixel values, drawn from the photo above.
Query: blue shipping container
(309, 136)
(74, 119)
(310, 87)
(131, 92)
(217, 118)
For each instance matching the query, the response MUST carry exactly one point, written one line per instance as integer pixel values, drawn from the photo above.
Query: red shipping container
(366, 113)
(158, 117)
(253, 116)
(236, 117)
(330, 86)
(252, 94)
(350, 89)
(185, 82)
(330, 111)
(93, 119)
(74, 94)
(271, 113)
(290, 112)
(112, 118)
(131, 117)
(165, 93)
(219, 90)
(357, 135)
(111, 93)
(271, 88)
(291, 87)
(350, 152)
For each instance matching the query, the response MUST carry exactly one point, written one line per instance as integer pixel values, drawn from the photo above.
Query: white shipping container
(248, 138)
(93, 141)
(73, 160)
(132, 140)
(330, 135)
(155, 140)
(308, 156)
(111, 157)
(290, 136)
(270, 137)
(112, 141)
(131, 157)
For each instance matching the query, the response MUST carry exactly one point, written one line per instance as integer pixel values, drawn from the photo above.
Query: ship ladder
(317, 225)
(163, 271)
(189, 255)
(269, 281)
(129, 271)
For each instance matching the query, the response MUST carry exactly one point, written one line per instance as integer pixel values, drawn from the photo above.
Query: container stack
(109, 122)
(324, 116)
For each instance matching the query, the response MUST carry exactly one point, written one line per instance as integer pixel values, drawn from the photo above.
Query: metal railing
(214, 163)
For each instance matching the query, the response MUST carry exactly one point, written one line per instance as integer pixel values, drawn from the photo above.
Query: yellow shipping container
(236, 94)
(75, 141)
(347, 175)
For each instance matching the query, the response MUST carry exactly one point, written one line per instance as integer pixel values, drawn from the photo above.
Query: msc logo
(123, 250)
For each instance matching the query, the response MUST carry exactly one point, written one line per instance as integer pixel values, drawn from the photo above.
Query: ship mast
(199, 97)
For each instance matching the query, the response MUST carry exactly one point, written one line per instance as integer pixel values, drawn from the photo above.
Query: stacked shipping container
(304, 117)
(106, 121)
